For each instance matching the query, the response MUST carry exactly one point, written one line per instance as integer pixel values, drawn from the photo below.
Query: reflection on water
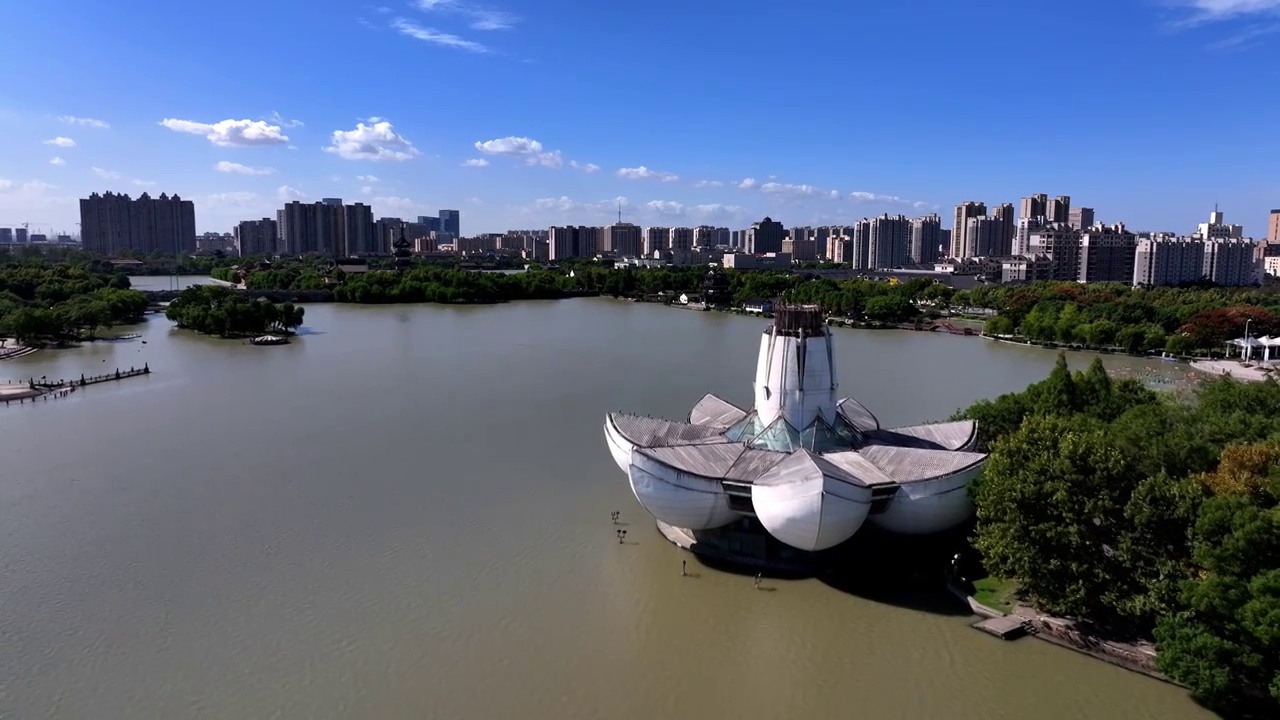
(406, 514)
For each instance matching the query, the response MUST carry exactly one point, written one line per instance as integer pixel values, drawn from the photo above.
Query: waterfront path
(1248, 373)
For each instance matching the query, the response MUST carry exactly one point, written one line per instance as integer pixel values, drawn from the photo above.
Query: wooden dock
(34, 389)
(1009, 627)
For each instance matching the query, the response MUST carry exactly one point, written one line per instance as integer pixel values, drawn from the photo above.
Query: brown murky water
(405, 514)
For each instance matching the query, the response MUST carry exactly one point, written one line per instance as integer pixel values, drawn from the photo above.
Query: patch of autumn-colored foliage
(1243, 469)
(1218, 325)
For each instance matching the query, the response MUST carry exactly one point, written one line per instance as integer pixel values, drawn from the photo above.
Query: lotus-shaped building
(808, 468)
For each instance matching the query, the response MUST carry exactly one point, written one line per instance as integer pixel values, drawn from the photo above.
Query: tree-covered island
(1145, 515)
(221, 311)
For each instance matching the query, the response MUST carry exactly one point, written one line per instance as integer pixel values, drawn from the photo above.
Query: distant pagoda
(403, 251)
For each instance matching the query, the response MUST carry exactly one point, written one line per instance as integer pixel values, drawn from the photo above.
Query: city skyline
(111, 112)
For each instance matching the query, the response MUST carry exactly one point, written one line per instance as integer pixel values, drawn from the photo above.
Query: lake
(405, 514)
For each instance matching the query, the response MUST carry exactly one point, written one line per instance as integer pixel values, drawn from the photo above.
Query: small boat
(269, 340)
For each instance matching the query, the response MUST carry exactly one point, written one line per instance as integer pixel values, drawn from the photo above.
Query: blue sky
(526, 114)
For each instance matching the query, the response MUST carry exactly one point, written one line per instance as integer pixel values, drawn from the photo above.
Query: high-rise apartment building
(706, 236)
(622, 240)
(654, 240)
(6, 236)
(1218, 229)
(111, 223)
(298, 233)
(573, 241)
(257, 237)
(1168, 261)
(1059, 210)
(1107, 254)
(1035, 206)
(1273, 228)
(681, 239)
(330, 228)
(765, 236)
(984, 236)
(450, 223)
(802, 250)
(1081, 218)
(1022, 235)
(888, 241)
(359, 232)
(926, 239)
(1061, 243)
(1230, 262)
(1008, 225)
(961, 245)
(20, 236)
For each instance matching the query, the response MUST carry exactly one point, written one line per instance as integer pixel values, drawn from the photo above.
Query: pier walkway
(33, 389)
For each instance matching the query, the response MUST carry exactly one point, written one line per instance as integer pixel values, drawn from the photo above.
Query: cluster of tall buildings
(112, 223)
(330, 227)
(1043, 238)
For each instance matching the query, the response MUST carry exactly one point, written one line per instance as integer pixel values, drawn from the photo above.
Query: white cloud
(366, 190)
(84, 122)
(287, 194)
(708, 183)
(106, 174)
(382, 205)
(717, 210)
(231, 133)
(1206, 11)
(29, 196)
(565, 204)
(510, 145)
(644, 173)
(529, 149)
(144, 183)
(665, 207)
(746, 183)
(787, 189)
(861, 197)
(584, 167)
(476, 201)
(431, 35)
(280, 120)
(1244, 39)
(475, 162)
(367, 178)
(481, 18)
(238, 169)
(377, 141)
(62, 142)
(57, 161)
(233, 198)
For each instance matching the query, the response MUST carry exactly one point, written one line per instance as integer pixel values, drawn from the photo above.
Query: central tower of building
(795, 371)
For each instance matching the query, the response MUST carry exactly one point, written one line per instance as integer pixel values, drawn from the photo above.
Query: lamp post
(1247, 350)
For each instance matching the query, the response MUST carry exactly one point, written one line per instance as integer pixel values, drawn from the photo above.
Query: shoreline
(1139, 658)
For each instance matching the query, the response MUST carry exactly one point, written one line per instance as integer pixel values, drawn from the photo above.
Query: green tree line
(224, 312)
(1181, 321)
(40, 302)
(1147, 515)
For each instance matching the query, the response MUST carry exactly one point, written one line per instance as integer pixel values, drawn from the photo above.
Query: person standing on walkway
(682, 567)
(758, 581)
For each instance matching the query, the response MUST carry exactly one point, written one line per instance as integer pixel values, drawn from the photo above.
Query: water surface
(405, 514)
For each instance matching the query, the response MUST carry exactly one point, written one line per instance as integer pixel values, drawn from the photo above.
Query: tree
(1048, 509)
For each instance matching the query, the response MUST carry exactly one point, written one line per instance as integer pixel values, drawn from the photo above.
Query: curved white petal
(619, 447)
(812, 510)
(929, 506)
(677, 498)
